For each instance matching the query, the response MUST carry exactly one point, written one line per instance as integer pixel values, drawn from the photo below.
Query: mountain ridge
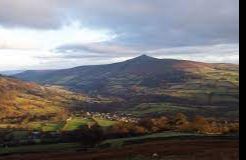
(146, 76)
(143, 56)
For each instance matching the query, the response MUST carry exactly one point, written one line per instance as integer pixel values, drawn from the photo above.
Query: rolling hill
(20, 100)
(148, 79)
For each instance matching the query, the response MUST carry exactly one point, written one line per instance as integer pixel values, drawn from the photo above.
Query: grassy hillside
(144, 80)
(171, 109)
(22, 102)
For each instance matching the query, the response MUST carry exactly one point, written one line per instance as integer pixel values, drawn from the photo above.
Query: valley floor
(189, 149)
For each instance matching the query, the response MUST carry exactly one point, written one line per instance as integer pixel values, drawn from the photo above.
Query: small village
(113, 116)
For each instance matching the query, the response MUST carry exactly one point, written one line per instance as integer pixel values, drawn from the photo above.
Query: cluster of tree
(201, 124)
(178, 123)
(91, 135)
(85, 135)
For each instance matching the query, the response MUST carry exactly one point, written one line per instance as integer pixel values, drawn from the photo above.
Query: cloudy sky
(49, 34)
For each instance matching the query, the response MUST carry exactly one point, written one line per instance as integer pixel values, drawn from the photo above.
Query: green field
(52, 127)
(121, 141)
(148, 108)
(144, 109)
(104, 122)
(70, 125)
(76, 123)
(45, 126)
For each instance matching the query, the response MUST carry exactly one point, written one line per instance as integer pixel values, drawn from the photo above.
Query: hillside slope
(20, 100)
(147, 77)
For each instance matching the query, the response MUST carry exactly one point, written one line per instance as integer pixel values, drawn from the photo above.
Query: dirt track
(167, 150)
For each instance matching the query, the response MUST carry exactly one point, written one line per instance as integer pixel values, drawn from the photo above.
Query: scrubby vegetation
(21, 101)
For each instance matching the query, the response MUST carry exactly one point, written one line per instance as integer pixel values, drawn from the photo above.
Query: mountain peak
(144, 57)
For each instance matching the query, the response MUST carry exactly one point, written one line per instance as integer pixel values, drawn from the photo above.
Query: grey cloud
(97, 49)
(207, 53)
(156, 23)
(29, 13)
(216, 50)
(219, 53)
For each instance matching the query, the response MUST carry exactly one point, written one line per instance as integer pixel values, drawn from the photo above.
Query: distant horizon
(22, 70)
